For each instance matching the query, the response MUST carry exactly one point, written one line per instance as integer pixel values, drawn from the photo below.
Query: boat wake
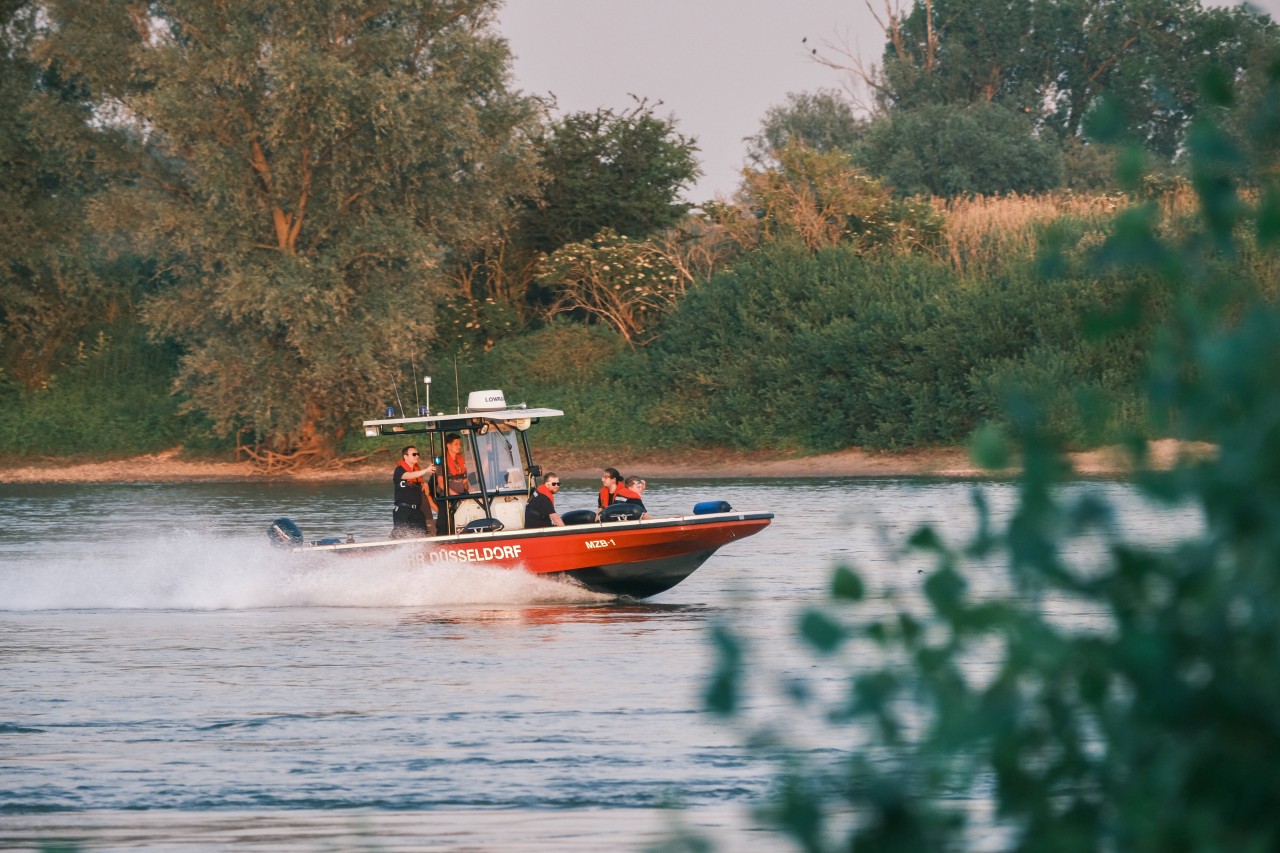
(201, 571)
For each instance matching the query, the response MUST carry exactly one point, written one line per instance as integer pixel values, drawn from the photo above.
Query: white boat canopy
(482, 407)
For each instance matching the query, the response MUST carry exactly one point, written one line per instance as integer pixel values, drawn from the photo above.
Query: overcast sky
(716, 65)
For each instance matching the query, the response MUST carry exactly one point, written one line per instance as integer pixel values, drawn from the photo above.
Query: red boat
(620, 555)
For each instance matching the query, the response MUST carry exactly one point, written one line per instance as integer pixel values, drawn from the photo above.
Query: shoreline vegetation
(172, 467)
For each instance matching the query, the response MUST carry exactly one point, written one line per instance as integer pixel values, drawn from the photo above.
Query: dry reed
(983, 231)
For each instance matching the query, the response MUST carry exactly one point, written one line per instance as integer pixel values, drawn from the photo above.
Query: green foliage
(822, 120)
(112, 399)
(467, 325)
(822, 199)
(1152, 726)
(833, 350)
(1087, 167)
(626, 284)
(605, 169)
(587, 371)
(298, 173)
(949, 150)
(301, 203)
(1055, 60)
(956, 53)
(52, 285)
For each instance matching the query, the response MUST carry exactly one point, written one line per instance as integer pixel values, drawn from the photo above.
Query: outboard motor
(283, 533)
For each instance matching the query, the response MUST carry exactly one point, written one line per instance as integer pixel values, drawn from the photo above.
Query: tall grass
(984, 232)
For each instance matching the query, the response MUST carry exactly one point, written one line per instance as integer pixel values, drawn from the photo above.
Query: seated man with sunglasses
(413, 500)
(541, 509)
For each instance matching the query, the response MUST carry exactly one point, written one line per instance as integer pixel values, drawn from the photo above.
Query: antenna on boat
(413, 370)
(457, 392)
(395, 386)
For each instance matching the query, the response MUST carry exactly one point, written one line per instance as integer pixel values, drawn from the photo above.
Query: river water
(171, 683)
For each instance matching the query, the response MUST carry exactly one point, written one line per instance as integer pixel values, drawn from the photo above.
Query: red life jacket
(543, 490)
(421, 483)
(457, 469)
(624, 492)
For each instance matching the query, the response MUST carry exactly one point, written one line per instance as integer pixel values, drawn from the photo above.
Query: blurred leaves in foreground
(1154, 725)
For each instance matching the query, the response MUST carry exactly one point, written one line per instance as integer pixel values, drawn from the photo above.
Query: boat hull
(636, 559)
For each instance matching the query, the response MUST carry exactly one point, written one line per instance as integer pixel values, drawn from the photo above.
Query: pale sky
(716, 65)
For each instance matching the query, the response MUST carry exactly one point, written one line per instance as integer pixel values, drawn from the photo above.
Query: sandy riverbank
(947, 462)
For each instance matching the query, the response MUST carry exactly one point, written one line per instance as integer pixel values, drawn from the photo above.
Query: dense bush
(831, 350)
(823, 199)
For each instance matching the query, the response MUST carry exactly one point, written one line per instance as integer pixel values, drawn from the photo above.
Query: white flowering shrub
(627, 284)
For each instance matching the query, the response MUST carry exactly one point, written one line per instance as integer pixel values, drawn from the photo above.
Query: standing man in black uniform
(409, 519)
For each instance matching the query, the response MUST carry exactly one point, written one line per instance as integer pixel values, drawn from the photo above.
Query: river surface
(170, 682)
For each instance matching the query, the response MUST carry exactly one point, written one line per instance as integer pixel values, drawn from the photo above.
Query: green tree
(604, 169)
(597, 170)
(960, 52)
(1056, 59)
(52, 285)
(1147, 58)
(950, 150)
(822, 120)
(300, 172)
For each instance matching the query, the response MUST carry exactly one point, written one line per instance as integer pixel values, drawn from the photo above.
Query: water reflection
(615, 612)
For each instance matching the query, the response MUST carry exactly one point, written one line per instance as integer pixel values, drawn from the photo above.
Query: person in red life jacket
(609, 481)
(541, 509)
(451, 479)
(455, 466)
(413, 502)
(631, 491)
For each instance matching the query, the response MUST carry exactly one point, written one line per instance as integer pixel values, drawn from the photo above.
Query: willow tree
(302, 168)
(51, 164)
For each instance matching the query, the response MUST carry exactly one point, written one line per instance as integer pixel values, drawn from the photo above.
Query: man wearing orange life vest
(455, 465)
(451, 479)
(541, 509)
(413, 502)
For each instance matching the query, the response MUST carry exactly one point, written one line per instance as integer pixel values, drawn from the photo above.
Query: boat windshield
(501, 459)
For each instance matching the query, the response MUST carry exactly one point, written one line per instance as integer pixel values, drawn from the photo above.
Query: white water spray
(202, 571)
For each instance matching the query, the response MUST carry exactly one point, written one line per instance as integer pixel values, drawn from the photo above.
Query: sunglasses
(556, 483)
(415, 453)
